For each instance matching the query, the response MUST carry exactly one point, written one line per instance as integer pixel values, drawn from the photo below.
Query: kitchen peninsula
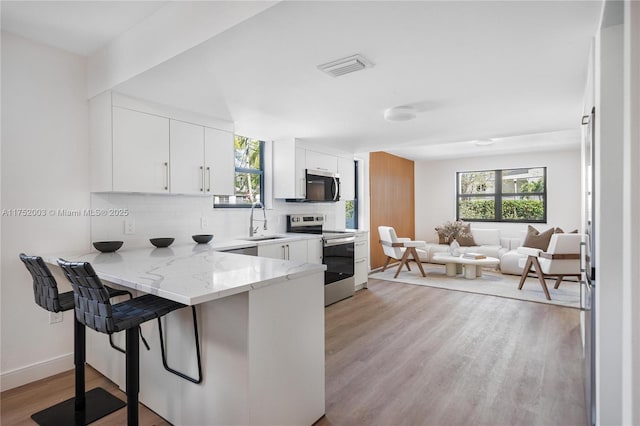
(261, 325)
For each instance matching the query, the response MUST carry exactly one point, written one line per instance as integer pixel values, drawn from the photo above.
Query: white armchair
(561, 259)
(402, 249)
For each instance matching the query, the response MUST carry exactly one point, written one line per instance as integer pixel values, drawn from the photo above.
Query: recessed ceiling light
(400, 113)
(484, 142)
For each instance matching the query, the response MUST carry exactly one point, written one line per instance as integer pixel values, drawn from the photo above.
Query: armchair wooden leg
(525, 272)
(538, 270)
(403, 261)
(414, 253)
(558, 281)
(386, 263)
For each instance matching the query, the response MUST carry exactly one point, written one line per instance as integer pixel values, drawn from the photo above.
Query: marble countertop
(192, 273)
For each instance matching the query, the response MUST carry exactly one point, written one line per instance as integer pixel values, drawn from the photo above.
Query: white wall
(631, 285)
(44, 166)
(435, 191)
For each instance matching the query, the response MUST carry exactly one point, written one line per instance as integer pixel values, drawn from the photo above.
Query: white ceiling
(80, 27)
(473, 69)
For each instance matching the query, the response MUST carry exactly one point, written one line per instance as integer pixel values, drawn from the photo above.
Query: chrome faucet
(253, 230)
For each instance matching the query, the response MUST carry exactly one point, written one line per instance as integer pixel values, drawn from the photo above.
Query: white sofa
(490, 243)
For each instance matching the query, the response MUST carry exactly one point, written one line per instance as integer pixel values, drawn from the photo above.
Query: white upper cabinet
(300, 177)
(219, 162)
(136, 147)
(140, 152)
(322, 161)
(201, 160)
(289, 164)
(187, 158)
(346, 170)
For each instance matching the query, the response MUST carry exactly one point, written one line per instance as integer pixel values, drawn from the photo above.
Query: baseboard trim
(31, 373)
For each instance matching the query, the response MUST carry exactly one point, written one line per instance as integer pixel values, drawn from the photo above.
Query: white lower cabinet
(314, 250)
(291, 250)
(361, 259)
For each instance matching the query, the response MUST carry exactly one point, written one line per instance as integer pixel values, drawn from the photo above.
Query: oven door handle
(339, 241)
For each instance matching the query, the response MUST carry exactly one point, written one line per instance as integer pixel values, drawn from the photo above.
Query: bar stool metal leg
(133, 374)
(79, 348)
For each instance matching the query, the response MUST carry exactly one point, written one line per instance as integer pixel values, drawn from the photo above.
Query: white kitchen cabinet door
(297, 250)
(321, 161)
(219, 163)
(300, 174)
(346, 170)
(361, 256)
(273, 251)
(289, 164)
(187, 158)
(361, 274)
(292, 250)
(314, 250)
(140, 152)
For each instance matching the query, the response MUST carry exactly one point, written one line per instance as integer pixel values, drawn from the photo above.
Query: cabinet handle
(201, 179)
(360, 261)
(284, 253)
(360, 244)
(166, 184)
(209, 173)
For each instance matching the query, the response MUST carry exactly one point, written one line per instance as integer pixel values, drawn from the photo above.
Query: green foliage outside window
(248, 175)
(350, 214)
(477, 209)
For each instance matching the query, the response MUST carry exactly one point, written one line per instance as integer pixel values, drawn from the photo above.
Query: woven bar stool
(94, 309)
(86, 407)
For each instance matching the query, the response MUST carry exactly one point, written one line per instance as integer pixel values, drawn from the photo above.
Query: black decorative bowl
(202, 238)
(107, 246)
(162, 242)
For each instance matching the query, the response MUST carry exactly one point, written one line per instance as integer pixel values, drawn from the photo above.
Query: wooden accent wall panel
(392, 202)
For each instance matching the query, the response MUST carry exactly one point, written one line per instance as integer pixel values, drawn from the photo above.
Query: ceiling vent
(345, 65)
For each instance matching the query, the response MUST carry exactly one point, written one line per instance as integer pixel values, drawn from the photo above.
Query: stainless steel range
(338, 254)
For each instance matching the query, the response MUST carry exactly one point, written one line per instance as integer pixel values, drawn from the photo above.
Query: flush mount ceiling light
(484, 142)
(400, 113)
(345, 65)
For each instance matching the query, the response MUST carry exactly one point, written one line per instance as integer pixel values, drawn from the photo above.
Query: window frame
(259, 172)
(499, 196)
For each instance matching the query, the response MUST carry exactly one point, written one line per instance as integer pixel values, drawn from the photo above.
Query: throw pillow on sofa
(537, 239)
(466, 240)
(442, 239)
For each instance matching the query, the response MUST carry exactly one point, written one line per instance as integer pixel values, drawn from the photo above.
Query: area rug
(491, 283)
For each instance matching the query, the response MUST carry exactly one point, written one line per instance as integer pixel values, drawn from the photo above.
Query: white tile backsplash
(179, 216)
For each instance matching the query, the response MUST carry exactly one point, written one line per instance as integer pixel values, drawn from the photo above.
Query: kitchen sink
(262, 238)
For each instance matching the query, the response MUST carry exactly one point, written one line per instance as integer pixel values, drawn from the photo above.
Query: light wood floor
(410, 355)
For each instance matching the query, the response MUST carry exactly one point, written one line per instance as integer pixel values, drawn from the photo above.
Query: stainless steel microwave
(322, 186)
